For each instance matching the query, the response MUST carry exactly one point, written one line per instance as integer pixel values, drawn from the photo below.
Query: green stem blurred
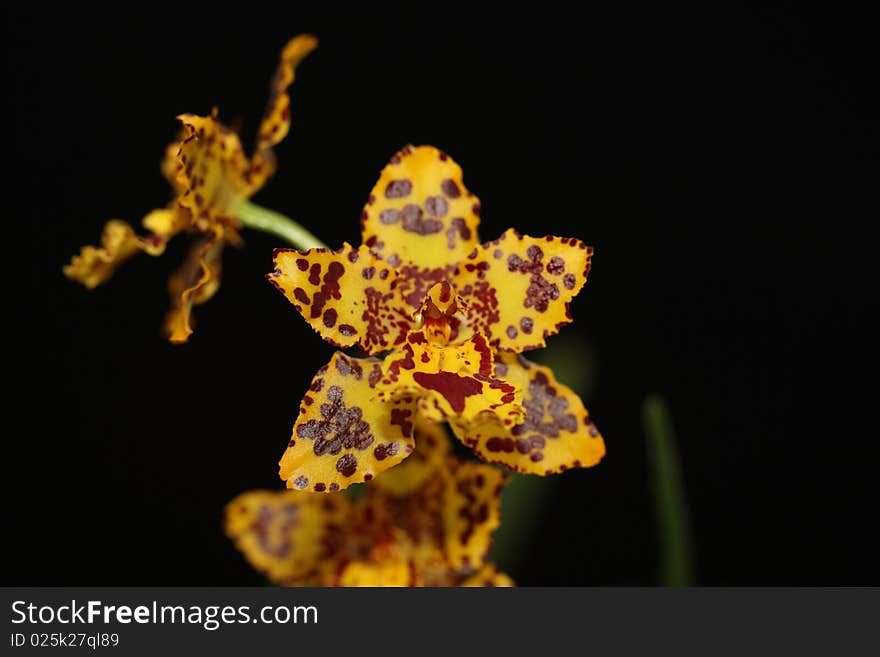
(257, 217)
(670, 504)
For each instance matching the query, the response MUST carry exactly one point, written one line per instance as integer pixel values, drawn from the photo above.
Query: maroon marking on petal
(399, 418)
(436, 206)
(452, 387)
(450, 188)
(556, 265)
(330, 288)
(398, 188)
(302, 264)
(315, 274)
(347, 330)
(329, 318)
(389, 216)
(346, 465)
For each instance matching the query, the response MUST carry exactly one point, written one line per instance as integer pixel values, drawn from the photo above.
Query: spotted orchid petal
(197, 280)
(212, 171)
(284, 535)
(471, 511)
(119, 242)
(556, 434)
(420, 213)
(347, 296)
(276, 121)
(432, 448)
(343, 434)
(518, 288)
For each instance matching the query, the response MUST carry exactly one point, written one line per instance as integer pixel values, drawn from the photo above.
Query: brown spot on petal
(398, 188)
(436, 206)
(450, 188)
(346, 465)
(556, 265)
(390, 216)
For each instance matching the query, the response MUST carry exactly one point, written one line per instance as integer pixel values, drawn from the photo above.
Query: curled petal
(427, 459)
(471, 511)
(348, 296)
(518, 288)
(212, 171)
(95, 264)
(557, 433)
(197, 280)
(452, 382)
(343, 435)
(169, 165)
(276, 121)
(421, 212)
(488, 576)
(285, 535)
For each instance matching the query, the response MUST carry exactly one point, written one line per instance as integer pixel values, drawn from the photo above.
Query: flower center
(441, 314)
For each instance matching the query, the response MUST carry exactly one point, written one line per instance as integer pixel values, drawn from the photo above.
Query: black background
(723, 165)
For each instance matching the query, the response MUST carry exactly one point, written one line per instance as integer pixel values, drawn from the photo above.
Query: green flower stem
(670, 505)
(257, 217)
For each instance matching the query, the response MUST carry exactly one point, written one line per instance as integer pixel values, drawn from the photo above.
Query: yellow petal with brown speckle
(471, 511)
(429, 456)
(197, 280)
(557, 433)
(344, 434)
(95, 264)
(420, 213)
(276, 121)
(212, 171)
(348, 296)
(518, 288)
(284, 534)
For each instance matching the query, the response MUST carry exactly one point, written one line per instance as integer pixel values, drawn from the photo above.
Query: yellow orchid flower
(211, 179)
(453, 315)
(428, 522)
